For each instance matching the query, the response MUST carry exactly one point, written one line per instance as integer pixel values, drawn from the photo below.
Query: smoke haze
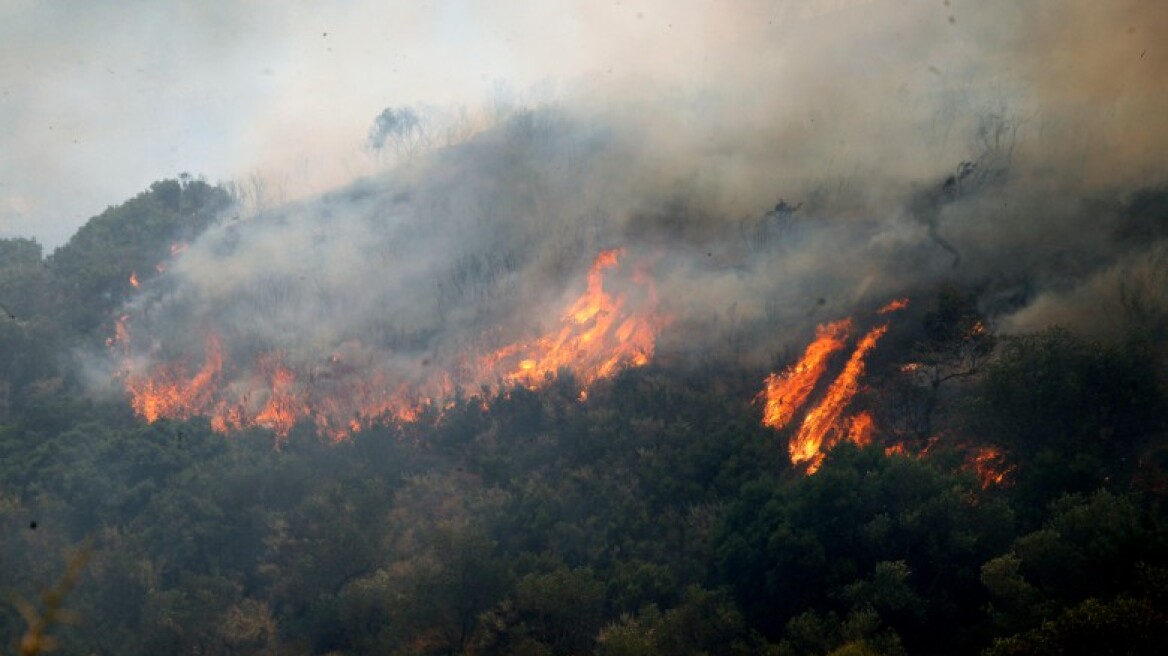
(100, 100)
(769, 166)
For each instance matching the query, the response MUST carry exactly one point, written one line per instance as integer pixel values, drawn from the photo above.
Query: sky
(100, 99)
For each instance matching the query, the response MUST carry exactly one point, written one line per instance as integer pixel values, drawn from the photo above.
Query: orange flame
(824, 425)
(121, 338)
(861, 428)
(286, 403)
(896, 449)
(784, 394)
(987, 463)
(894, 306)
(808, 445)
(598, 336)
(134, 279)
(990, 466)
(169, 393)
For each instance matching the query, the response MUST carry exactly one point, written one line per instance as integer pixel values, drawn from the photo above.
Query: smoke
(808, 159)
(1129, 297)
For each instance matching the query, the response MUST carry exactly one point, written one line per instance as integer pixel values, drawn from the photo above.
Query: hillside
(459, 410)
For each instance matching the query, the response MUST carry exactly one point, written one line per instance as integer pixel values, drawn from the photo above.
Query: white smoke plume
(814, 158)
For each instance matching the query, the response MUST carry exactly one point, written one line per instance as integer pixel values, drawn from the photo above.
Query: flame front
(168, 392)
(823, 421)
(596, 338)
(785, 394)
(598, 334)
(824, 425)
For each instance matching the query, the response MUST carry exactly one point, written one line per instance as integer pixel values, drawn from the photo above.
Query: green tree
(952, 346)
(92, 270)
(29, 356)
(1099, 546)
(1118, 626)
(896, 535)
(1073, 414)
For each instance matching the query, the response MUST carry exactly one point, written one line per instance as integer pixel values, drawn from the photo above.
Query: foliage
(656, 517)
(1119, 626)
(1076, 414)
(91, 272)
(895, 536)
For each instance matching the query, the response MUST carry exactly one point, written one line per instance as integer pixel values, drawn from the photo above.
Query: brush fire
(598, 334)
(825, 423)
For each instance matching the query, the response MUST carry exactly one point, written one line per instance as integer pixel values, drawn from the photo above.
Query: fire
(784, 394)
(894, 306)
(286, 402)
(990, 466)
(987, 463)
(904, 448)
(120, 342)
(134, 279)
(169, 392)
(896, 449)
(861, 429)
(598, 334)
(823, 421)
(825, 424)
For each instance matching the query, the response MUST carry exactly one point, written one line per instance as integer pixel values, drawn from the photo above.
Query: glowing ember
(990, 466)
(861, 429)
(121, 339)
(784, 394)
(134, 279)
(903, 448)
(286, 403)
(897, 449)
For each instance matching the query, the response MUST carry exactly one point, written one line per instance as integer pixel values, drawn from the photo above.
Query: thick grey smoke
(809, 177)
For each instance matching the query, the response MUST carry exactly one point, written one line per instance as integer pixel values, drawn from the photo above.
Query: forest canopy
(1007, 499)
